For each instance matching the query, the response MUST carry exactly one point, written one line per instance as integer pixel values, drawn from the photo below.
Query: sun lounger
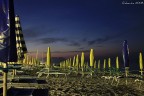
(49, 72)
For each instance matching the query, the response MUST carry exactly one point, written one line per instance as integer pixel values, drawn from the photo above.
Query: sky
(69, 27)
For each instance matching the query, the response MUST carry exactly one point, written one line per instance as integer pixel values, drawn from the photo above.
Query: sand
(96, 86)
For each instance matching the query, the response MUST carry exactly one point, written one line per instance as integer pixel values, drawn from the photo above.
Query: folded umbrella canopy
(126, 58)
(125, 54)
(20, 42)
(8, 52)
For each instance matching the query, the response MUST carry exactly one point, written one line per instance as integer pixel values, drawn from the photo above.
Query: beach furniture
(88, 72)
(48, 72)
(139, 82)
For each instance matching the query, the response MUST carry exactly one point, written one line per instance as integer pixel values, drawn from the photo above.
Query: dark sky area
(72, 26)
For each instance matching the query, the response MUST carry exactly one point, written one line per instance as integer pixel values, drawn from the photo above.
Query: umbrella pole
(126, 73)
(13, 74)
(5, 80)
(141, 72)
(141, 77)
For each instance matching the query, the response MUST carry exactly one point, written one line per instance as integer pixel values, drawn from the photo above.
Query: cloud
(73, 43)
(99, 46)
(71, 51)
(81, 48)
(84, 39)
(37, 31)
(99, 40)
(52, 40)
(138, 28)
(105, 39)
(30, 33)
(58, 39)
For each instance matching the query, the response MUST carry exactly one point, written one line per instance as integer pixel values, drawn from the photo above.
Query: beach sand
(96, 86)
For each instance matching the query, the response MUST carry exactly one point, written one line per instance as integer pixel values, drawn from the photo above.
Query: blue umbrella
(126, 58)
(125, 54)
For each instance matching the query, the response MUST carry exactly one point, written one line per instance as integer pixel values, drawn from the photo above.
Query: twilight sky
(72, 26)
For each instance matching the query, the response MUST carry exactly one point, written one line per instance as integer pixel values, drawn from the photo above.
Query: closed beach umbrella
(20, 42)
(117, 63)
(140, 61)
(109, 62)
(48, 58)
(77, 61)
(104, 66)
(125, 54)
(99, 64)
(126, 58)
(82, 59)
(73, 61)
(95, 64)
(91, 57)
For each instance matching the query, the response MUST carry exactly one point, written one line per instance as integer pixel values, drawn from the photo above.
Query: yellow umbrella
(104, 66)
(99, 64)
(82, 59)
(95, 64)
(109, 62)
(141, 63)
(117, 63)
(91, 57)
(73, 61)
(77, 61)
(48, 58)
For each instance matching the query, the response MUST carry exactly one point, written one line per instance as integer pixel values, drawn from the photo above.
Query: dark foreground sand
(96, 86)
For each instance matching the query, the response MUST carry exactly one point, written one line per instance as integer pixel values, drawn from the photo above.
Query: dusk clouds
(78, 25)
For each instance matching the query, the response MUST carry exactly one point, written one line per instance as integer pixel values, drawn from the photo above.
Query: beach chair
(48, 72)
(88, 72)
